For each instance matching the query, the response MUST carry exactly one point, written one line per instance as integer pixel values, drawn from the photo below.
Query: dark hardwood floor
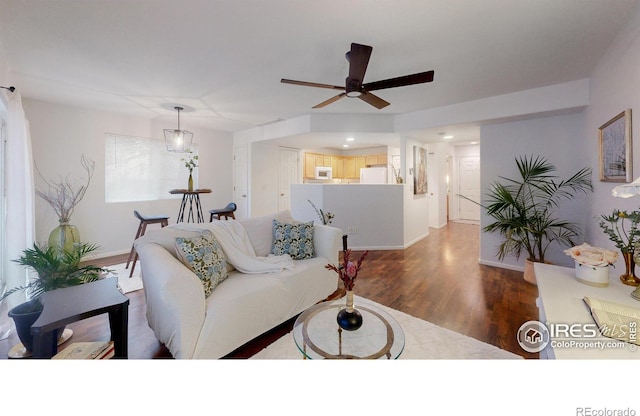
(437, 279)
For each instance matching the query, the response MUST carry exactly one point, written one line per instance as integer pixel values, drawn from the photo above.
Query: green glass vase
(190, 184)
(64, 237)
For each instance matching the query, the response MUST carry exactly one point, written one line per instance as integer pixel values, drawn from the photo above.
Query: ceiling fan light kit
(178, 140)
(358, 58)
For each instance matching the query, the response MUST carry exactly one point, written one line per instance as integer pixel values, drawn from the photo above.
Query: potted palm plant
(523, 210)
(55, 270)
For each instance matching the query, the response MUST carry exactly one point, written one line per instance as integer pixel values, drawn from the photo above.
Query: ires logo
(534, 336)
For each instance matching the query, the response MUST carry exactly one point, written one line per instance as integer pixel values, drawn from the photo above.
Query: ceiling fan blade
(311, 84)
(374, 100)
(330, 100)
(358, 60)
(419, 78)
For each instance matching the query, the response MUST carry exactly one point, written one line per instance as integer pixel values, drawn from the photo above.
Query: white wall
(265, 159)
(384, 217)
(416, 207)
(572, 141)
(560, 140)
(614, 87)
(61, 134)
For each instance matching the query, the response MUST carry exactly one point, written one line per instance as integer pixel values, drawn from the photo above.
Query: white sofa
(241, 307)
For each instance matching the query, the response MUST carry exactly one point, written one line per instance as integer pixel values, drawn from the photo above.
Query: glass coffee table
(318, 336)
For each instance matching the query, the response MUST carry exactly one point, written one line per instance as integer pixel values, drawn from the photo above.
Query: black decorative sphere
(349, 321)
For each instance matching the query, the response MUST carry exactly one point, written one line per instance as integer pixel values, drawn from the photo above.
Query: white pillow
(166, 237)
(260, 230)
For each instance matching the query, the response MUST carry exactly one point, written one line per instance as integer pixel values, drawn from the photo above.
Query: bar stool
(142, 227)
(225, 212)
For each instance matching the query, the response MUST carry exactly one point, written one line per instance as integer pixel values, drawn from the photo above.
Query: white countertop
(561, 302)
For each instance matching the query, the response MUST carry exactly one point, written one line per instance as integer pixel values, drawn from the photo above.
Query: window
(141, 169)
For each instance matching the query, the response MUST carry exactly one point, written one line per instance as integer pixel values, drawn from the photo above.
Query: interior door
(240, 183)
(469, 186)
(287, 174)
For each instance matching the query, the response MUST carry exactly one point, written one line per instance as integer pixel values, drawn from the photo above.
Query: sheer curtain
(18, 198)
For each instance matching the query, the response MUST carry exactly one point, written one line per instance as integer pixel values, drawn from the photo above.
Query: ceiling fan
(358, 58)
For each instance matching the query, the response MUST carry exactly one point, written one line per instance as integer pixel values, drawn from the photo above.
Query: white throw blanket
(240, 253)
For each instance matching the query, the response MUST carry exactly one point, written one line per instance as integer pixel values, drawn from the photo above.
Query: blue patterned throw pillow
(295, 240)
(203, 255)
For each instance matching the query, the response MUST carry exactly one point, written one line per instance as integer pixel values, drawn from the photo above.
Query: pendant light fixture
(177, 140)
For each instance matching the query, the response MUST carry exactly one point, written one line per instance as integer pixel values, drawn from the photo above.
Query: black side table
(191, 197)
(71, 304)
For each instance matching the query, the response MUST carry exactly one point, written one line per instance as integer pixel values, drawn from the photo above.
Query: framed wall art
(616, 163)
(419, 170)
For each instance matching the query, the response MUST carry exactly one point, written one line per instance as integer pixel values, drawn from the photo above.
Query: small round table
(191, 197)
(317, 334)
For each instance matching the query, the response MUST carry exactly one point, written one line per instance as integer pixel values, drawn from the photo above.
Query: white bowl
(592, 275)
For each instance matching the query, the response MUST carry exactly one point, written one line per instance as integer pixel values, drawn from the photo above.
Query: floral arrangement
(625, 238)
(592, 256)
(349, 270)
(191, 162)
(64, 195)
(325, 217)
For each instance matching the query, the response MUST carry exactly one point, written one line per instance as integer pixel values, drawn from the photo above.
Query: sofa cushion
(295, 240)
(166, 237)
(204, 256)
(260, 232)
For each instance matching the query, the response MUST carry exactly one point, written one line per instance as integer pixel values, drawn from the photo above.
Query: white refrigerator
(373, 175)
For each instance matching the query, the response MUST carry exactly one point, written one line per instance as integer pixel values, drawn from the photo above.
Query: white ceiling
(223, 59)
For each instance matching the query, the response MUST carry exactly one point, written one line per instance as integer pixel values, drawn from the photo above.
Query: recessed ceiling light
(474, 142)
(350, 139)
(448, 137)
(345, 145)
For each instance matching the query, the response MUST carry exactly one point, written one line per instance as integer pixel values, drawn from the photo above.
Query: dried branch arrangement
(64, 195)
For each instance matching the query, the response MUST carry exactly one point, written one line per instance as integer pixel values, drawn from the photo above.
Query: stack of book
(86, 351)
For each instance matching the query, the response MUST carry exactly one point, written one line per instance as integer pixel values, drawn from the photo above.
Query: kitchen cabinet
(311, 160)
(361, 162)
(352, 166)
(337, 166)
(309, 165)
(380, 159)
(343, 167)
(349, 167)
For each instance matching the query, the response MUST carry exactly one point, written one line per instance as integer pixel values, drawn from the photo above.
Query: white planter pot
(592, 275)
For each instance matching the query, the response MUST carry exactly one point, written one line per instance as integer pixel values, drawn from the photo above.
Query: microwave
(323, 172)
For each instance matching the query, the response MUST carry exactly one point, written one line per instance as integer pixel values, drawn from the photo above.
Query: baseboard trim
(406, 245)
(362, 248)
(501, 265)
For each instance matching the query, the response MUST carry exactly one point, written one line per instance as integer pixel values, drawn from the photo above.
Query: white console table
(560, 301)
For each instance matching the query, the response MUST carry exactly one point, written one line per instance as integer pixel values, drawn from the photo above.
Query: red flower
(349, 270)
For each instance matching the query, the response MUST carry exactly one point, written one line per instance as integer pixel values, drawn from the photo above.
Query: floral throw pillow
(295, 240)
(203, 255)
